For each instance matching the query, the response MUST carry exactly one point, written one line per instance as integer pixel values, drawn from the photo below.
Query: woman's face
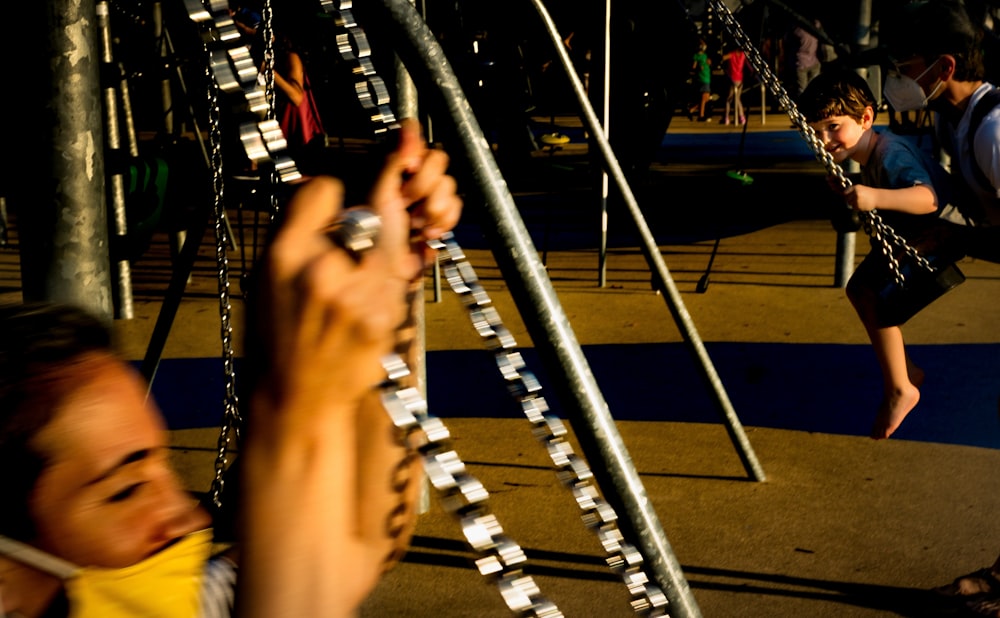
(108, 496)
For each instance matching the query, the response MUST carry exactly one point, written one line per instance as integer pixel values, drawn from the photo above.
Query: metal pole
(662, 279)
(64, 230)
(549, 327)
(407, 106)
(166, 94)
(123, 269)
(847, 241)
(602, 267)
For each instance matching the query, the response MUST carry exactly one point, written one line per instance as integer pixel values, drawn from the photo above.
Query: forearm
(292, 90)
(915, 200)
(299, 551)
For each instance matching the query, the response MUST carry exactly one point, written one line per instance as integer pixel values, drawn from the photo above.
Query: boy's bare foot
(893, 410)
(914, 373)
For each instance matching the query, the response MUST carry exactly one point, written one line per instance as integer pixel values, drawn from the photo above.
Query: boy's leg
(900, 395)
(900, 377)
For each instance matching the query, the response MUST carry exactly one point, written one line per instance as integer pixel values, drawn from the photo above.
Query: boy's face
(842, 135)
(108, 496)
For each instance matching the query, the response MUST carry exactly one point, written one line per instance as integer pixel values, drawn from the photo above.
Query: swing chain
(267, 24)
(356, 51)
(461, 494)
(598, 515)
(231, 421)
(882, 233)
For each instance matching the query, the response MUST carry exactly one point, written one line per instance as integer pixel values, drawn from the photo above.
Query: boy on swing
(911, 192)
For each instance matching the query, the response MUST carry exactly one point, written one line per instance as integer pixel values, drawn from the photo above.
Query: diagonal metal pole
(550, 329)
(651, 251)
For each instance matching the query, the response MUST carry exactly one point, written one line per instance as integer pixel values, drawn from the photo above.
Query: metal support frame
(651, 251)
(549, 327)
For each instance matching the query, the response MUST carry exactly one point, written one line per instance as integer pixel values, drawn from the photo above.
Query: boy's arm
(915, 200)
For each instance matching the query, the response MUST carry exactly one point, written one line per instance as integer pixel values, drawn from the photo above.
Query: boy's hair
(837, 92)
(932, 28)
(37, 340)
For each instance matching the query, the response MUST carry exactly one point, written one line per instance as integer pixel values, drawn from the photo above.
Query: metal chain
(886, 238)
(267, 23)
(623, 558)
(462, 495)
(231, 421)
(354, 48)
(230, 68)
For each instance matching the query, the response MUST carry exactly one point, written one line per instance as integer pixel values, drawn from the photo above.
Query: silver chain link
(622, 557)
(461, 494)
(887, 238)
(231, 421)
(354, 48)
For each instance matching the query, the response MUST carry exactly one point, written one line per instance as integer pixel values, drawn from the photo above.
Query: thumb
(404, 159)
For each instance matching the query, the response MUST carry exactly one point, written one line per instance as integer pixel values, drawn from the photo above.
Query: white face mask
(905, 94)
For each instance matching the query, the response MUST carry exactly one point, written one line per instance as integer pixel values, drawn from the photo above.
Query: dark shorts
(941, 245)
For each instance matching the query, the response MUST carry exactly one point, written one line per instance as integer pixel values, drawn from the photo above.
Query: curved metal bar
(542, 313)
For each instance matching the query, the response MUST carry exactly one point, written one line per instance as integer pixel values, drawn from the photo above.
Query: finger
(433, 166)
(313, 206)
(405, 159)
(439, 213)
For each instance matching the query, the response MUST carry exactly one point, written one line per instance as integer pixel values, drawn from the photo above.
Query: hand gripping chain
(461, 494)
(887, 238)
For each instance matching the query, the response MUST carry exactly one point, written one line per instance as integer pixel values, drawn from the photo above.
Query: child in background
(734, 60)
(701, 68)
(911, 192)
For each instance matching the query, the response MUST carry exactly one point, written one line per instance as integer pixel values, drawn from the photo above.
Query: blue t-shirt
(896, 162)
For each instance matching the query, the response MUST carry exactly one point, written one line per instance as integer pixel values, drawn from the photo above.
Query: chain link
(883, 234)
(622, 557)
(230, 418)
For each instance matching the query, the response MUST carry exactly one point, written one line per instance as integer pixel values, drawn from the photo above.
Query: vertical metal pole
(64, 231)
(847, 241)
(166, 95)
(123, 269)
(416, 357)
(602, 267)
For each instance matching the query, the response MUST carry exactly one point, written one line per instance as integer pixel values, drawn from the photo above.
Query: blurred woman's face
(107, 496)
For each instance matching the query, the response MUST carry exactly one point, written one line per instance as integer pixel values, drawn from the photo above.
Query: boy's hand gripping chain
(874, 226)
(461, 494)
